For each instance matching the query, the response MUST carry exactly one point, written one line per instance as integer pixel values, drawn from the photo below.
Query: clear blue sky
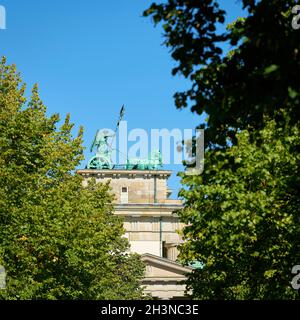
(90, 57)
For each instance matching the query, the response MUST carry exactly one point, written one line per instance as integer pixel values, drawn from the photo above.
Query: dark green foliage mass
(243, 220)
(242, 214)
(236, 88)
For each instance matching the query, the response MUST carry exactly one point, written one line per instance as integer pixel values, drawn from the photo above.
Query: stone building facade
(142, 199)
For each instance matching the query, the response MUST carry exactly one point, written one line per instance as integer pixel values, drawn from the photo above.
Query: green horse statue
(154, 162)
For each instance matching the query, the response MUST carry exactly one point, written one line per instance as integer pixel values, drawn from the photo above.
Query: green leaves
(237, 89)
(242, 213)
(58, 240)
(245, 221)
(270, 69)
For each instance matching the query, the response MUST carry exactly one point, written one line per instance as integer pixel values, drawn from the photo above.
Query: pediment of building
(158, 268)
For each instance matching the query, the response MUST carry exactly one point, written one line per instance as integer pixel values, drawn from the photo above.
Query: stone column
(172, 251)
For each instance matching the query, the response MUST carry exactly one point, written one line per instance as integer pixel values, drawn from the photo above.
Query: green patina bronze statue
(154, 162)
(102, 159)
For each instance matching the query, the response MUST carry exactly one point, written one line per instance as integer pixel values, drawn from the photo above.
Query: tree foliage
(243, 220)
(242, 213)
(58, 240)
(236, 89)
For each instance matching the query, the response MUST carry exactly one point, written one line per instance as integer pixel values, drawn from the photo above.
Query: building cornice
(163, 262)
(148, 206)
(154, 209)
(119, 173)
